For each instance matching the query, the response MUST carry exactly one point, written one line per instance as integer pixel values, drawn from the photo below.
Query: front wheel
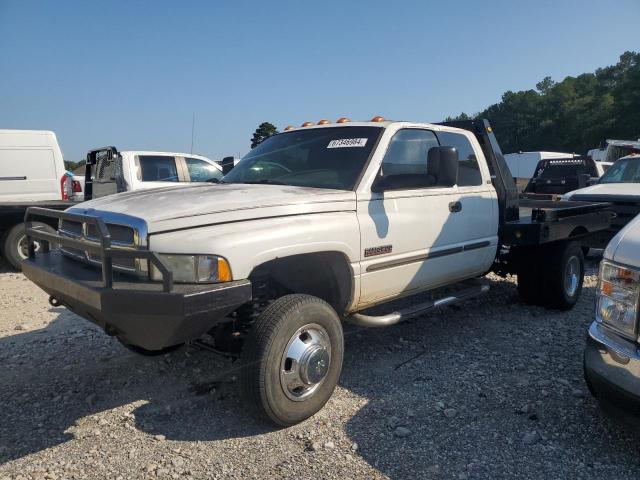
(292, 358)
(15, 247)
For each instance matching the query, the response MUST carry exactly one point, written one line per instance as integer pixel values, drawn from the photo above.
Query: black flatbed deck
(544, 221)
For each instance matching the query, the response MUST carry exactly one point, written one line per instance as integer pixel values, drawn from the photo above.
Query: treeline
(573, 115)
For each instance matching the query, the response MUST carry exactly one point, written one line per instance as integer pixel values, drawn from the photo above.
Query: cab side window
(157, 168)
(406, 159)
(201, 171)
(468, 168)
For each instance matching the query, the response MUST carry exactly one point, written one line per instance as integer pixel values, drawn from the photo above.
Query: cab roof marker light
(323, 122)
(343, 120)
(307, 124)
(377, 118)
(288, 127)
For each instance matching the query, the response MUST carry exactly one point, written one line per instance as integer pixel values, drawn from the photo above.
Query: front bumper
(138, 312)
(612, 368)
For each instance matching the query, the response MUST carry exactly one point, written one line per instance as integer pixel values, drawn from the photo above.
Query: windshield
(626, 170)
(330, 157)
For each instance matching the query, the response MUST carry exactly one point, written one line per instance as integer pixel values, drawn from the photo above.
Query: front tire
(292, 358)
(14, 246)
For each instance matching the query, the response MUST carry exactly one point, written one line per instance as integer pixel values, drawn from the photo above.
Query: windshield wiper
(264, 181)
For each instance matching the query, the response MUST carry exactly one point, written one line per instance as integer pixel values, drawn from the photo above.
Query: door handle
(455, 207)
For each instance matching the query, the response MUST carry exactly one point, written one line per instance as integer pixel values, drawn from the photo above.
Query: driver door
(415, 238)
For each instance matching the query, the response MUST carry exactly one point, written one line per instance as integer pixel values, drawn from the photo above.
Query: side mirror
(227, 164)
(442, 163)
(592, 181)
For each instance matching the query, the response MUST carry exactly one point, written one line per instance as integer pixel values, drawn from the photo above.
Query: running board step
(413, 310)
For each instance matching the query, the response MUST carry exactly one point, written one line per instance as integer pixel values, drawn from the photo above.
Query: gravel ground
(487, 389)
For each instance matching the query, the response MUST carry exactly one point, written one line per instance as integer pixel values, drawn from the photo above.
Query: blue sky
(131, 74)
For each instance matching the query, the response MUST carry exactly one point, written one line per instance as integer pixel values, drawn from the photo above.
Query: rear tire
(529, 280)
(563, 275)
(14, 246)
(292, 358)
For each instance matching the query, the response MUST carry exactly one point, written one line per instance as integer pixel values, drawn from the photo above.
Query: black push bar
(103, 248)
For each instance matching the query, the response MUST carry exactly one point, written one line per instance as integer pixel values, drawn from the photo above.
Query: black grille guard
(103, 248)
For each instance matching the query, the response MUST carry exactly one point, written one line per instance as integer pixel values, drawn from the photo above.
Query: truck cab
(312, 228)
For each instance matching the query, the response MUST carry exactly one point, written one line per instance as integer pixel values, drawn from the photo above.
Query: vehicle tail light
(65, 187)
(77, 187)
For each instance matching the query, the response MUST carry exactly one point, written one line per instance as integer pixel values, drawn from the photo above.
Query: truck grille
(122, 236)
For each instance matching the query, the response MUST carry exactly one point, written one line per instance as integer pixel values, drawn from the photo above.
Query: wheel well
(326, 275)
(578, 232)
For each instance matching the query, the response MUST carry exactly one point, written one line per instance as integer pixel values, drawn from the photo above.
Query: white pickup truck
(612, 353)
(312, 227)
(620, 187)
(109, 171)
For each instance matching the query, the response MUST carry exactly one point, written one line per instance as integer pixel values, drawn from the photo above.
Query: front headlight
(617, 298)
(194, 268)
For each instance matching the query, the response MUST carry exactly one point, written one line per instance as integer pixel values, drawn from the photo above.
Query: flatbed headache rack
(102, 248)
(528, 222)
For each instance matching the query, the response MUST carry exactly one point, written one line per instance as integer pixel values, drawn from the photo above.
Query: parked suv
(612, 354)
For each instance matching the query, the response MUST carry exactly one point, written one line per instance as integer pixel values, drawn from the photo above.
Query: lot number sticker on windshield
(347, 142)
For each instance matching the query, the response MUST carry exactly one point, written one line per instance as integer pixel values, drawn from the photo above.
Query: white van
(523, 164)
(32, 174)
(31, 167)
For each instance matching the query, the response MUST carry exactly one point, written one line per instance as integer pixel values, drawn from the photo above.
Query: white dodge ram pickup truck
(312, 227)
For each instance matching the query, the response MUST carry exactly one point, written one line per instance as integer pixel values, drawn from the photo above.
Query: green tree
(573, 115)
(265, 130)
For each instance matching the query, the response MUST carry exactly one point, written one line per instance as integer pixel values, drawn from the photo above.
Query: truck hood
(625, 246)
(174, 208)
(606, 192)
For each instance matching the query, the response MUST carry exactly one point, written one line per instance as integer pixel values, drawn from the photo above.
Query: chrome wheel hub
(23, 247)
(572, 276)
(305, 362)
